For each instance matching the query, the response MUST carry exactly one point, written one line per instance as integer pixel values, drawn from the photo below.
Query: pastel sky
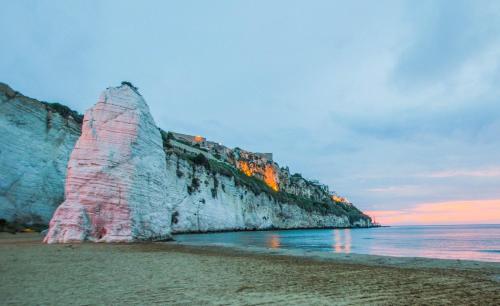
(394, 104)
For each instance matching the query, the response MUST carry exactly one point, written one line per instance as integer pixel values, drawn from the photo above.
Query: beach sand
(32, 273)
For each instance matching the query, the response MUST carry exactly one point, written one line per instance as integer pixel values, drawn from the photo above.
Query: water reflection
(273, 242)
(342, 241)
(347, 240)
(478, 242)
(337, 244)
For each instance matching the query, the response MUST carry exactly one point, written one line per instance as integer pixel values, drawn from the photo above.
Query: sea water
(467, 242)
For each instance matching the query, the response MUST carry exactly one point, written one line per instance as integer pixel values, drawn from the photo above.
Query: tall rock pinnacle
(115, 185)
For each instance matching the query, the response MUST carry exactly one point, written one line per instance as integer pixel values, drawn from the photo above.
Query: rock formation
(207, 200)
(122, 185)
(115, 186)
(213, 188)
(36, 140)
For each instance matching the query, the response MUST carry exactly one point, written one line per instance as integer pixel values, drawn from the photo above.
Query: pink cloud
(451, 212)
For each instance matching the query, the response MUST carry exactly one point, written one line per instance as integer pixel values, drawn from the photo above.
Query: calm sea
(474, 242)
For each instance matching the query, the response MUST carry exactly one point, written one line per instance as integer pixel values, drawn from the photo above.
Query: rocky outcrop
(264, 196)
(258, 165)
(36, 140)
(116, 181)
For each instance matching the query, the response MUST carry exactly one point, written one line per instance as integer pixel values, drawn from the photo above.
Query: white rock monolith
(115, 186)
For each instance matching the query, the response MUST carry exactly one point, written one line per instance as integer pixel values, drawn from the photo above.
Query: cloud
(463, 120)
(404, 190)
(487, 172)
(450, 212)
(390, 103)
(447, 35)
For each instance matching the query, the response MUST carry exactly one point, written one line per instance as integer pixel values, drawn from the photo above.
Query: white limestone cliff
(116, 181)
(121, 186)
(218, 204)
(35, 143)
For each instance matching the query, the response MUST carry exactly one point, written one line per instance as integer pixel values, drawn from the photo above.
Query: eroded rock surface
(109, 197)
(116, 179)
(35, 144)
(217, 203)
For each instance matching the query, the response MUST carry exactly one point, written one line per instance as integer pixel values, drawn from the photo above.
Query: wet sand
(32, 273)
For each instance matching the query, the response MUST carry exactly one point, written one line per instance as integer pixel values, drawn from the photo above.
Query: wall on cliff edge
(36, 140)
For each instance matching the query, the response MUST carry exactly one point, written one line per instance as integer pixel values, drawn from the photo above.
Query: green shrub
(195, 183)
(165, 137)
(131, 86)
(175, 217)
(201, 160)
(64, 111)
(20, 226)
(216, 185)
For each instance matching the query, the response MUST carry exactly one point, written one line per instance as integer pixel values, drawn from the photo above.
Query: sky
(394, 104)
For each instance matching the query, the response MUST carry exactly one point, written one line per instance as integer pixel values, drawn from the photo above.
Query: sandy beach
(170, 273)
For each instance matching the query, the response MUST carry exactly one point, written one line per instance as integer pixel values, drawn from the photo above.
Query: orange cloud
(452, 212)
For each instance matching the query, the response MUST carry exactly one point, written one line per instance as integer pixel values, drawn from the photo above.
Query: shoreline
(356, 258)
(179, 273)
(39, 228)
(274, 229)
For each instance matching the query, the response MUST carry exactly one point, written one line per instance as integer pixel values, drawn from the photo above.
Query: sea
(465, 242)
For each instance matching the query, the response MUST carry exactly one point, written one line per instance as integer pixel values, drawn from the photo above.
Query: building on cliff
(253, 164)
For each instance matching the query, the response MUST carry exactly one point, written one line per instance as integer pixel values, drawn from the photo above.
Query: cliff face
(115, 187)
(229, 189)
(204, 200)
(35, 142)
(279, 179)
(261, 194)
(258, 165)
